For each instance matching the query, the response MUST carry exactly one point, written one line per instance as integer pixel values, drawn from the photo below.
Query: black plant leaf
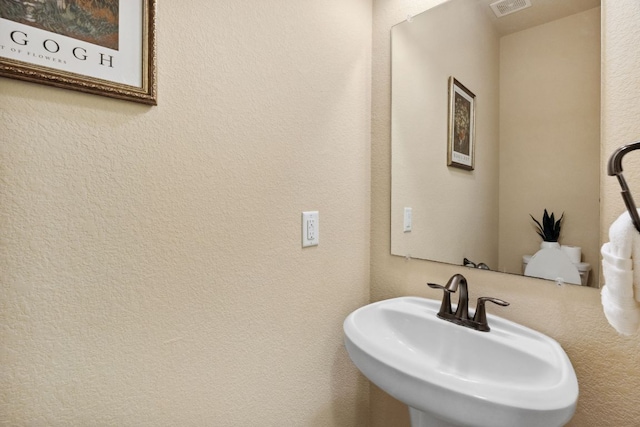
(549, 229)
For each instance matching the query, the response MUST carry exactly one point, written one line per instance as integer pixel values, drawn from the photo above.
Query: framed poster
(104, 47)
(461, 135)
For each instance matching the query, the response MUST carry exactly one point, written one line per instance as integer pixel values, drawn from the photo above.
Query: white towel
(621, 270)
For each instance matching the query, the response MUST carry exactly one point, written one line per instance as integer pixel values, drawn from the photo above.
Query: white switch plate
(407, 220)
(310, 228)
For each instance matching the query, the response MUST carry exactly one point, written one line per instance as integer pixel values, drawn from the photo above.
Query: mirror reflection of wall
(537, 133)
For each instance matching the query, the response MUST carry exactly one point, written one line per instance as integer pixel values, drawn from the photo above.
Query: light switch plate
(407, 220)
(310, 228)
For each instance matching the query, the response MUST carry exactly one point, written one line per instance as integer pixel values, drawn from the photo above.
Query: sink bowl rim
(561, 395)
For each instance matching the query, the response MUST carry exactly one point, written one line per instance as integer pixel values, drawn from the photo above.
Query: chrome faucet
(461, 316)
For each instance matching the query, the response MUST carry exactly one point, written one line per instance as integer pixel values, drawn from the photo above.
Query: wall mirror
(535, 75)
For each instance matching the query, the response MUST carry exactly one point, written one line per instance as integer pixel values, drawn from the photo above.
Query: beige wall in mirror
(454, 211)
(606, 363)
(537, 134)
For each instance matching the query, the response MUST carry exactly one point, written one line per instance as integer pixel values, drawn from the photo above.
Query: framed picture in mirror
(461, 135)
(103, 47)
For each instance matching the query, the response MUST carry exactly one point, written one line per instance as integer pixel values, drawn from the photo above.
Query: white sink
(452, 375)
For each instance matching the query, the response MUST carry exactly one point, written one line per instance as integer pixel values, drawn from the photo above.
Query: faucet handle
(480, 316)
(445, 307)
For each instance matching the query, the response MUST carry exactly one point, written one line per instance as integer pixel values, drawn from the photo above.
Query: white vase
(545, 245)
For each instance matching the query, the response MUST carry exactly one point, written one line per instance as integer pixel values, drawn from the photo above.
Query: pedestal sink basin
(450, 375)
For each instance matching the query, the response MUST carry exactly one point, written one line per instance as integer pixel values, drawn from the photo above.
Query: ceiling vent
(505, 7)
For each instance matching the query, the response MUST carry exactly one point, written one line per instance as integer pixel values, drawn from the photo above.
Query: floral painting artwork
(461, 144)
(92, 21)
(103, 47)
(462, 120)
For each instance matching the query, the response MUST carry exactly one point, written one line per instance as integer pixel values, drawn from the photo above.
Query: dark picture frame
(461, 135)
(101, 47)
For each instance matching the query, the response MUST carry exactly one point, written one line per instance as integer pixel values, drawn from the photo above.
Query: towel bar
(615, 168)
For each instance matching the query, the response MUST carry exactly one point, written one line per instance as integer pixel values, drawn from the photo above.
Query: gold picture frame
(41, 41)
(461, 135)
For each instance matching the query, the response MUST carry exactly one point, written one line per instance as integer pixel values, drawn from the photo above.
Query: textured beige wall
(606, 364)
(469, 47)
(620, 101)
(550, 115)
(138, 287)
(150, 258)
